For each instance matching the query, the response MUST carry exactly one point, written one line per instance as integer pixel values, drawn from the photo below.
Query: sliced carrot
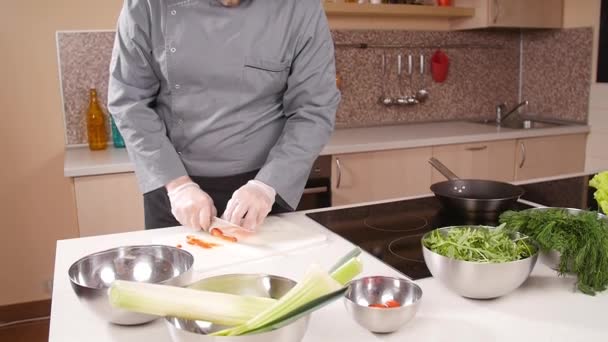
(216, 231)
(201, 243)
(392, 304)
(220, 234)
(381, 306)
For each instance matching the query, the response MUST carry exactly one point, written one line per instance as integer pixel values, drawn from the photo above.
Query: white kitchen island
(545, 308)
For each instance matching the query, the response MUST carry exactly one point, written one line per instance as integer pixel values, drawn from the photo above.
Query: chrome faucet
(501, 108)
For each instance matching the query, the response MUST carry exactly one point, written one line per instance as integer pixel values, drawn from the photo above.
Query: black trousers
(157, 208)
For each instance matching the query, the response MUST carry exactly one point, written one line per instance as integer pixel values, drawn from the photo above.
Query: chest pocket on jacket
(265, 76)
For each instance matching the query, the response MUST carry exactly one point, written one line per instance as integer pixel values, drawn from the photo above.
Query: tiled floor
(28, 332)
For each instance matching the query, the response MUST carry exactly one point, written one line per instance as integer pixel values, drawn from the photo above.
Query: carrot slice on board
(220, 234)
(201, 243)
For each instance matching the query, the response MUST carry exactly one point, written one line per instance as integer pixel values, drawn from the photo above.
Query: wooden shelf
(352, 16)
(396, 10)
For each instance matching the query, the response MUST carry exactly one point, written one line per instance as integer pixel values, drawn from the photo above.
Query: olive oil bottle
(96, 124)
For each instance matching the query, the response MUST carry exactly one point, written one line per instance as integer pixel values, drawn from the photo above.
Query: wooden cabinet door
(108, 204)
(550, 156)
(492, 160)
(511, 13)
(526, 13)
(373, 176)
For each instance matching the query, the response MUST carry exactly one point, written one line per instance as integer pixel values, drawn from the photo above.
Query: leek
(315, 284)
(164, 300)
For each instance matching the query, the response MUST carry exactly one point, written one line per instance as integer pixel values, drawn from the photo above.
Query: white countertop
(545, 308)
(80, 161)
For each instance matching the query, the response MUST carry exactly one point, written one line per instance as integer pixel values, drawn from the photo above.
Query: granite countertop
(80, 161)
(545, 308)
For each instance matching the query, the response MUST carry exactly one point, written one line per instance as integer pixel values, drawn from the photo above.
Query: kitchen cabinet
(108, 204)
(550, 156)
(373, 176)
(354, 16)
(511, 13)
(492, 160)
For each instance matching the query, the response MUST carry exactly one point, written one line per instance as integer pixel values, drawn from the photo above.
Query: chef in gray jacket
(223, 104)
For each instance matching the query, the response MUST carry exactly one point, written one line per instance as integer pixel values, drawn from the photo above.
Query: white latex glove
(191, 206)
(250, 205)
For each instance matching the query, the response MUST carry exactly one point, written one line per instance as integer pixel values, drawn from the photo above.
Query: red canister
(440, 64)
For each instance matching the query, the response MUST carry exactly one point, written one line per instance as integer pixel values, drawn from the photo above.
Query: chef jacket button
(173, 12)
(177, 86)
(179, 152)
(180, 121)
(173, 50)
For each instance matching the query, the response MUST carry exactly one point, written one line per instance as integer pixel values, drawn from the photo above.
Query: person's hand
(191, 206)
(250, 205)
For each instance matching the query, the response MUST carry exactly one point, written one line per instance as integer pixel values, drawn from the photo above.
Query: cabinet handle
(339, 167)
(477, 148)
(522, 146)
(316, 190)
(496, 11)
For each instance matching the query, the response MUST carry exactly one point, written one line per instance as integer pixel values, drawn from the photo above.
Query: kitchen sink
(529, 123)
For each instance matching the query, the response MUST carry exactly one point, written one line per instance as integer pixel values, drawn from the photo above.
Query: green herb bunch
(581, 239)
(478, 245)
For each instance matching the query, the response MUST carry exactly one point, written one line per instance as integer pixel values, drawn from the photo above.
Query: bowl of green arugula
(571, 241)
(479, 262)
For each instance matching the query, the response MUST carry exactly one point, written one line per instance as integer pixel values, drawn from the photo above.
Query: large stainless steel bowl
(552, 258)
(92, 275)
(261, 285)
(478, 280)
(373, 290)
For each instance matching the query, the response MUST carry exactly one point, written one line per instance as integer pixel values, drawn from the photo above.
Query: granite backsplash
(556, 66)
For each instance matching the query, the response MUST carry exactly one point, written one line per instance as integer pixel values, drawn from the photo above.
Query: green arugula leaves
(478, 244)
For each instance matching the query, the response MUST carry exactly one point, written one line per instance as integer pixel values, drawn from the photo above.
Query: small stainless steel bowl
(261, 285)
(552, 258)
(92, 276)
(378, 289)
(478, 280)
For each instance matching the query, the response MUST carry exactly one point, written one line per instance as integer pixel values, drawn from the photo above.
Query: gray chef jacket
(205, 90)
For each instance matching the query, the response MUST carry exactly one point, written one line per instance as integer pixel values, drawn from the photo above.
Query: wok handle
(439, 166)
(523, 155)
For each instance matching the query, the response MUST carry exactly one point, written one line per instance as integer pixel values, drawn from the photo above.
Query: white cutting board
(274, 237)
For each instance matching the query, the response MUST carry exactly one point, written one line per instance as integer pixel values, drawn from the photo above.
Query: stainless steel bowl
(553, 258)
(370, 290)
(478, 280)
(92, 275)
(261, 285)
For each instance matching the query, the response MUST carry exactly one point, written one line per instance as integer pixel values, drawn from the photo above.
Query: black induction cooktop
(392, 231)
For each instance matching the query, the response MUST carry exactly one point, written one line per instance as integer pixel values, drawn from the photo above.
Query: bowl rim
(219, 276)
(571, 211)
(169, 319)
(82, 259)
(400, 279)
(532, 241)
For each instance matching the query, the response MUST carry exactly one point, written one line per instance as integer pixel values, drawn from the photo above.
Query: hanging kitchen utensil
(422, 94)
(384, 99)
(401, 99)
(440, 64)
(471, 196)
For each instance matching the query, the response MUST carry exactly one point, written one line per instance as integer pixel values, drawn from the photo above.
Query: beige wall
(36, 202)
(586, 13)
